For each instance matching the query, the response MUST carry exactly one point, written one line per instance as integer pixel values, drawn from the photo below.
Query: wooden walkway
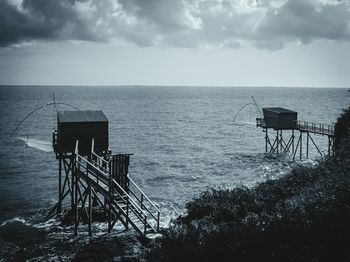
(304, 126)
(279, 144)
(321, 129)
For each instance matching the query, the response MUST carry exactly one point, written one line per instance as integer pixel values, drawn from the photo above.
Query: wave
(15, 220)
(38, 144)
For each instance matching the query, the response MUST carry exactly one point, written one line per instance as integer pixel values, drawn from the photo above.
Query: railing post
(127, 212)
(92, 145)
(158, 221)
(141, 201)
(90, 210)
(109, 202)
(76, 211)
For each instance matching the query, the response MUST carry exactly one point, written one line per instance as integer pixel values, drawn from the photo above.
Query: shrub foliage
(303, 216)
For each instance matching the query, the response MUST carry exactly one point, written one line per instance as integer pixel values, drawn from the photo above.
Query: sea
(184, 141)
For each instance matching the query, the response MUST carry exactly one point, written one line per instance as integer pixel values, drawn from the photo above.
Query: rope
(234, 119)
(257, 109)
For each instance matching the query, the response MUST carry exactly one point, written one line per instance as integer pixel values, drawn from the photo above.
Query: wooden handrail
(97, 168)
(144, 196)
(142, 205)
(139, 189)
(315, 127)
(114, 183)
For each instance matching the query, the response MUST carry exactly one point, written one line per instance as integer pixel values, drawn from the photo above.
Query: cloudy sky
(175, 42)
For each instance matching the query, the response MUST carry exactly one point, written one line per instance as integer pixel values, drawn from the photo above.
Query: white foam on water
(47, 224)
(38, 144)
(16, 219)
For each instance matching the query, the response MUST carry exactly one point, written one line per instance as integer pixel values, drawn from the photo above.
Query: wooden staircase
(122, 203)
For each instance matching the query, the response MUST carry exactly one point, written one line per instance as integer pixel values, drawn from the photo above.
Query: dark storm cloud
(225, 23)
(41, 20)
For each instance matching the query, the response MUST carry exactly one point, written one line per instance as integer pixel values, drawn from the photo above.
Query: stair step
(153, 236)
(149, 231)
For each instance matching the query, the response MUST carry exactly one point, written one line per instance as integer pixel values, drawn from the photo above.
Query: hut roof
(279, 110)
(81, 116)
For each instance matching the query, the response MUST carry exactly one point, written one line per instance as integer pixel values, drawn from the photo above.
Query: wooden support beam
(307, 144)
(90, 211)
(266, 140)
(293, 140)
(75, 201)
(110, 204)
(277, 144)
(273, 147)
(296, 148)
(59, 206)
(281, 140)
(289, 143)
(301, 145)
(316, 146)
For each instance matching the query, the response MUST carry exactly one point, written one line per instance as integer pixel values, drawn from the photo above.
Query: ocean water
(183, 140)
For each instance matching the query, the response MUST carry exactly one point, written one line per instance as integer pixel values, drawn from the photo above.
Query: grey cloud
(41, 20)
(305, 21)
(180, 23)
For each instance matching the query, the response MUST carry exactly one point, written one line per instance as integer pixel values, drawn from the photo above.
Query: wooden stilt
(73, 182)
(75, 203)
(59, 207)
(293, 141)
(90, 210)
(301, 145)
(110, 204)
(266, 140)
(281, 140)
(277, 144)
(307, 144)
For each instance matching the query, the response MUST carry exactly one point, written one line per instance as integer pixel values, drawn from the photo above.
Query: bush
(303, 216)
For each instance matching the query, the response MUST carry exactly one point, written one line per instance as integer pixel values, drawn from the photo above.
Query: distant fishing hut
(280, 119)
(94, 177)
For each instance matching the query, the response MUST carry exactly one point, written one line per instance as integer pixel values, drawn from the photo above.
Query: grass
(303, 216)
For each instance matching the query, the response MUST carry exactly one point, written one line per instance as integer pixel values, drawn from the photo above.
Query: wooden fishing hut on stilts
(277, 120)
(91, 176)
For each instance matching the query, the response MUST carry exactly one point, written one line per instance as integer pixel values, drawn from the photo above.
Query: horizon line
(167, 86)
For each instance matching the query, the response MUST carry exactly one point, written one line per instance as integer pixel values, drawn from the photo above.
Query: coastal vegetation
(302, 216)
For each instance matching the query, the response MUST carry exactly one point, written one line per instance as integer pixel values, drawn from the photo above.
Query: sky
(296, 43)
